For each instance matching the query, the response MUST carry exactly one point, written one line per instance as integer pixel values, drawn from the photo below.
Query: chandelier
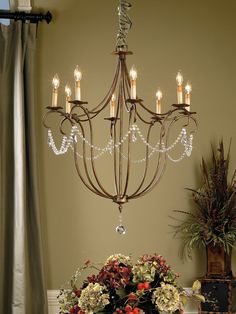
(129, 123)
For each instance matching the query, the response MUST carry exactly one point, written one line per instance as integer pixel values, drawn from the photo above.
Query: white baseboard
(53, 307)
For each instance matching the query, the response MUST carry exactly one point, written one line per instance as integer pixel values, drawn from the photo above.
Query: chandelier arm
(182, 112)
(128, 156)
(168, 117)
(162, 134)
(115, 158)
(86, 120)
(58, 111)
(61, 126)
(130, 111)
(182, 115)
(127, 82)
(80, 175)
(106, 99)
(152, 112)
(45, 117)
(91, 112)
(126, 91)
(146, 164)
(92, 158)
(141, 118)
(156, 177)
(108, 96)
(66, 118)
(120, 108)
(85, 164)
(115, 153)
(151, 186)
(190, 117)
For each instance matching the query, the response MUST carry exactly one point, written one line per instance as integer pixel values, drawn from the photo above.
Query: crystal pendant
(49, 142)
(121, 229)
(134, 138)
(184, 139)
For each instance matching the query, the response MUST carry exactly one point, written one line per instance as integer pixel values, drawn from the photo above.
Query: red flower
(146, 285)
(128, 308)
(78, 293)
(87, 263)
(115, 275)
(92, 279)
(143, 286)
(140, 286)
(132, 297)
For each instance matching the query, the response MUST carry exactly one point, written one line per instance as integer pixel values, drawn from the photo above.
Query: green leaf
(200, 297)
(121, 292)
(196, 285)
(184, 299)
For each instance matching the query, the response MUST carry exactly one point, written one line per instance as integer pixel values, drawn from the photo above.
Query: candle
(55, 84)
(179, 80)
(158, 101)
(133, 78)
(68, 98)
(78, 77)
(113, 106)
(188, 89)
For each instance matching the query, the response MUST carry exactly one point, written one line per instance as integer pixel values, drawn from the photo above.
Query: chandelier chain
(125, 24)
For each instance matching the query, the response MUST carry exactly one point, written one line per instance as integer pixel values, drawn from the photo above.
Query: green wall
(198, 37)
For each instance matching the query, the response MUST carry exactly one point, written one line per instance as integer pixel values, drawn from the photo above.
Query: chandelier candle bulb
(133, 78)
(78, 77)
(188, 90)
(68, 98)
(55, 84)
(158, 101)
(179, 80)
(113, 106)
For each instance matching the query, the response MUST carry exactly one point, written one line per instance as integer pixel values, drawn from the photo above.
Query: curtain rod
(26, 16)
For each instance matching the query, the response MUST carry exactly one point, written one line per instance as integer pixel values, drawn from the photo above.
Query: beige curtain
(22, 288)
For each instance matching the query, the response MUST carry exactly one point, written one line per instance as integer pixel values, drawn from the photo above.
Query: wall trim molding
(53, 307)
(24, 5)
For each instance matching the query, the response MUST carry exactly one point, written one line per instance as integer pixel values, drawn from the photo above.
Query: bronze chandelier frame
(82, 117)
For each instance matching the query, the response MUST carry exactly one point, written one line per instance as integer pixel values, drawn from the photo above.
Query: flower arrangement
(213, 218)
(119, 287)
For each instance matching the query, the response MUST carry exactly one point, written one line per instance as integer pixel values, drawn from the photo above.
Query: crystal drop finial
(120, 229)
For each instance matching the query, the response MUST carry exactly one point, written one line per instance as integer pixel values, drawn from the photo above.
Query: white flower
(120, 258)
(144, 271)
(166, 298)
(93, 298)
